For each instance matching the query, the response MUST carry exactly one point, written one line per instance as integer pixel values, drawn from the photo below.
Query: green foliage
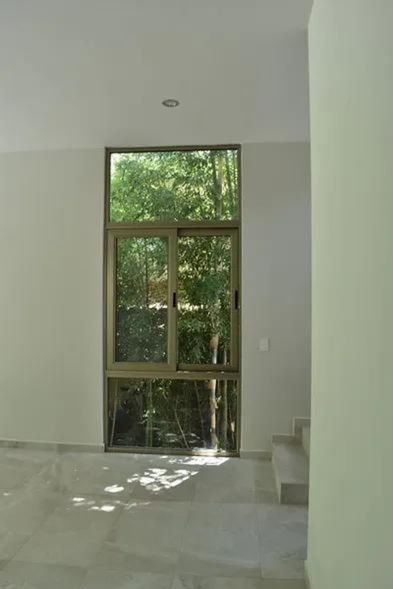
(141, 299)
(174, 185)
(172, 414)
(204, 291)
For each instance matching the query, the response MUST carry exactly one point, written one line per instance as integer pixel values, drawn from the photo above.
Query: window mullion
(172, 307)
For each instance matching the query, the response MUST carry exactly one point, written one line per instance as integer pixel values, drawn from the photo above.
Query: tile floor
(118, 521)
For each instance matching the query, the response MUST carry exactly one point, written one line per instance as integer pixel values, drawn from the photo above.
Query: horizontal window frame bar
(209, 368)
(174, 375)
(165, 225)
(227, 231)
(169, 148)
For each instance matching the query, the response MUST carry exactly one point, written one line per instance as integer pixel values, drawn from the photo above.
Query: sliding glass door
(140, 314)
(208, 299)
(173, 299)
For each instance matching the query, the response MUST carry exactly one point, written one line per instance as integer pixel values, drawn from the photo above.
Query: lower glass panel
(178, 414)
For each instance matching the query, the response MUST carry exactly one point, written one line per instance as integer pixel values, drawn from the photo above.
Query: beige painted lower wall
(276, 282)
(51, 235)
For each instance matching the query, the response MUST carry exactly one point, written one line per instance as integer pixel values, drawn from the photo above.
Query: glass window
(204, 299)
(141, 330)
(200, 185)
(180, 414)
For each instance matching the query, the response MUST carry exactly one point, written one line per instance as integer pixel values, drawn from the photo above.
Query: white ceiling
(90, 73)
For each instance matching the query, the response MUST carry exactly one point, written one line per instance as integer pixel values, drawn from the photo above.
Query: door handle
(236, 300)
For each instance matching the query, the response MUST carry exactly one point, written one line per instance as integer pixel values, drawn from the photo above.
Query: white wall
(276, 264)
(51, 293)
(51, 234)
(351, 514)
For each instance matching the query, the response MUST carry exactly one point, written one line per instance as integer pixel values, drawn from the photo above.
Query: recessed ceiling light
(170, 102)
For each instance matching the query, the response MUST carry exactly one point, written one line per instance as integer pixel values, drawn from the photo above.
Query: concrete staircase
(290, 460)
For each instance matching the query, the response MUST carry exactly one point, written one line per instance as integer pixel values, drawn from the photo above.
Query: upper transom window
(174, 185)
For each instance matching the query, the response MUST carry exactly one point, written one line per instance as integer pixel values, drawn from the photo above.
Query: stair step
(291, 470)
(285, 439)
(306, 440)
(298, 424)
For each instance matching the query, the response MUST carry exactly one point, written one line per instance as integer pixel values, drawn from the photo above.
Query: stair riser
(276, 478)
(285, 439)
(294, 494)
(290, 494)
(306, 440)
(290, 467)
(298, 424)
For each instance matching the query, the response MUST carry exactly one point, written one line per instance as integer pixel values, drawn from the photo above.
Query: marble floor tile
(194, 461)
(24, 509)
(283, 540)
(121, 580)
(33, 457)
(263, 496)
(84, 521)
(20, 575)
(73, 534)
(265, 484)
(10, 543)
(263, 474)
(221, 540)
(214, 483)
(195, 582)
(164, 483)
(17, 468)
(95, 474)
(147, 537)
(214, 492)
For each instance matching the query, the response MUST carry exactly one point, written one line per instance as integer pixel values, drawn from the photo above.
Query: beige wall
(51, 296)
(276, 261)
(51, 293)
(351, 513)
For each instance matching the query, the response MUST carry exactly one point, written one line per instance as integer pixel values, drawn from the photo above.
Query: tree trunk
(200, 413)
(115, 405)
(147, 292)
(224, 412)
(180, 427)
(212, 395)
(217, 184)
(149, 422)
(217, 172)
(230, 184)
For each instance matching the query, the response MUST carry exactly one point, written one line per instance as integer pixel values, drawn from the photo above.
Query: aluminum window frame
(172, 229)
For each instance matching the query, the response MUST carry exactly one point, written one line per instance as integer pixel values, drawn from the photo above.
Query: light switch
(264, 344)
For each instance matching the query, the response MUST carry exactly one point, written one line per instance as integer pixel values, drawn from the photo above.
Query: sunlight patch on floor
(92, 505)
(159, 479)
